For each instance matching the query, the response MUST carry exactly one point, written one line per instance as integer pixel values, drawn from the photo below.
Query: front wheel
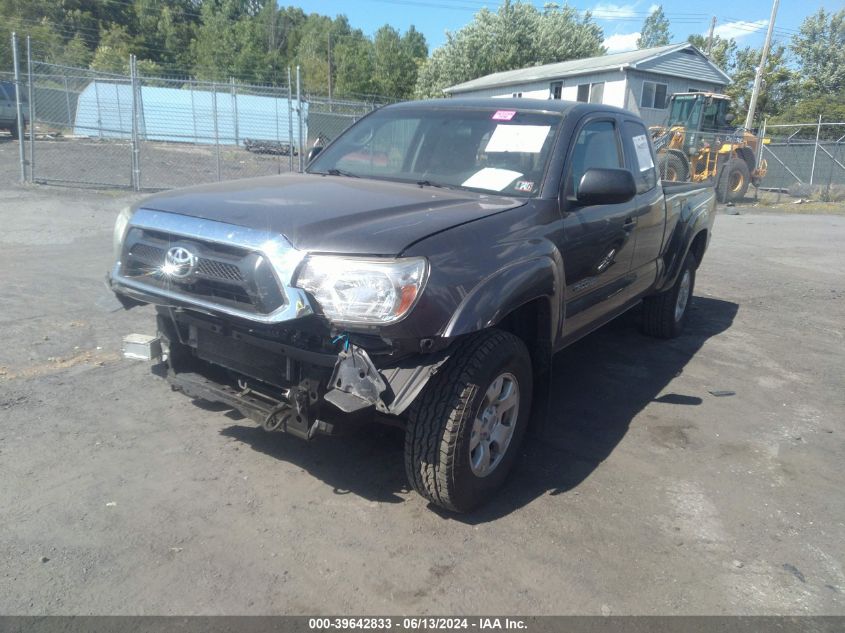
(733, 181)
(465, 429)
(665, 314)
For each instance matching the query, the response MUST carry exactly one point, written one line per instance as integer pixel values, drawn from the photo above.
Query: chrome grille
(208, 268)
(218, 270)
(219, 267)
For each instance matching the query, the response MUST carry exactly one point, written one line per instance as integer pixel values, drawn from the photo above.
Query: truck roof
(540, 105)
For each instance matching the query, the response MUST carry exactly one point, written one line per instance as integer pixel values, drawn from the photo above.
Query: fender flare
(690, 224)
(491, 300)
(506, 290)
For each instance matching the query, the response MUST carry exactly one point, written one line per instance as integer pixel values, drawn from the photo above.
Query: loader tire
(733, 181)
(673, 168)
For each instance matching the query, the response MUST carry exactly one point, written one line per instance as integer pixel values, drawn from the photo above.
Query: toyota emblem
(179, 262)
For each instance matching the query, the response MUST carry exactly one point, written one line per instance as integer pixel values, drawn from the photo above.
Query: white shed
(640, 81)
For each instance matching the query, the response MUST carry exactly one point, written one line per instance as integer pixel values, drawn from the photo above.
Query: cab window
(596, 146)
(638, 154)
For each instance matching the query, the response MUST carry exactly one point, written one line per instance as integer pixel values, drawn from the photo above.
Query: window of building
(654, 95)
(555, 89)
(584, 92)
(591, 93)
(516, 95)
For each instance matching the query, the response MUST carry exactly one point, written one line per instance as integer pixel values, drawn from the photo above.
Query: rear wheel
(733, 181)
(673, 168)
(665, 314)
(14, 131)
(465, 429)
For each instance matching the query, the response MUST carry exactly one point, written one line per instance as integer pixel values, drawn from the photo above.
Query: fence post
(290, 122)
(99, 114)
(193, 111)
(136, 154)
(18, 110)
(235, 110)
(216, 137)
(299, 116)
(70, 123)
(276, 96)
(815, 149)
(31, 110)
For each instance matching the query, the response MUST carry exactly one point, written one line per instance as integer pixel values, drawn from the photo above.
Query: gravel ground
(650, 495)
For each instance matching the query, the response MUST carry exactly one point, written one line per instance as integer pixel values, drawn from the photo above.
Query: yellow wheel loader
(698, 143)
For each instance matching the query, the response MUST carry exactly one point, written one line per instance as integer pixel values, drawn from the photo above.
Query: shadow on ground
(599, 385)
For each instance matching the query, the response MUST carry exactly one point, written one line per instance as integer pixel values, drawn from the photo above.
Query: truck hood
(334, 214)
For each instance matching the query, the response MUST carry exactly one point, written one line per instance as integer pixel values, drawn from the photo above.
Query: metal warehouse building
(640, 81)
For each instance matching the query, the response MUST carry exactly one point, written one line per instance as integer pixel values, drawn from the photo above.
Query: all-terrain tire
(733, 181)
(440, 425)
(662, 317)
(673, 168)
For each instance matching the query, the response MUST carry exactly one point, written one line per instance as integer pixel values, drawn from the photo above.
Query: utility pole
(710, 36)
(758, 78)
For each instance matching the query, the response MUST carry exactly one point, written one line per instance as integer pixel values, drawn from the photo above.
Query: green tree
(820, 51)
(563, 34)
(777, 91)
(76, 53)
(396, 60)
(354, 67)
(112, 54)
(515, 36)
(655, 31)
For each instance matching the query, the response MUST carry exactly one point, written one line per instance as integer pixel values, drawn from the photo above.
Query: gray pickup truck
(421, 273)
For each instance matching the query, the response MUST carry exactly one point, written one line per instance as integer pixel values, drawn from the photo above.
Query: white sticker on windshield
(643, 152)
(491, 178)
(518, 138)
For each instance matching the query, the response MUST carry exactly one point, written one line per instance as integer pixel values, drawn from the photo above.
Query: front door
(597, 246)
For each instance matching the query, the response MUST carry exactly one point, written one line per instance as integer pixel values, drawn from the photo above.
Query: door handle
(629, 224)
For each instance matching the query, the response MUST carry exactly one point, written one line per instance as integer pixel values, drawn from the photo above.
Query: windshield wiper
(340, 172)
(428, 183)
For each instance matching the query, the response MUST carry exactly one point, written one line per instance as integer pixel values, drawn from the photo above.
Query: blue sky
(621, 20)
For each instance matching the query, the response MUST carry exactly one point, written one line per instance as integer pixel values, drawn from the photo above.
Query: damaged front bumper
(302, 388)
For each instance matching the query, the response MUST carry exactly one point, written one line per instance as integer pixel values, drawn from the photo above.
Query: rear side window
(639, 156)
(596, 146)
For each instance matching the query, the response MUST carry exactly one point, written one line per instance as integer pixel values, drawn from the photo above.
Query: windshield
(685, 110)
(502, 151)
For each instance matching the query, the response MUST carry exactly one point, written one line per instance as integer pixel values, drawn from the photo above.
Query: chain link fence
(85, 127)
(806, 160)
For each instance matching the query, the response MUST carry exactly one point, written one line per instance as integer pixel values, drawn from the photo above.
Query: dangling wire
(342, 337)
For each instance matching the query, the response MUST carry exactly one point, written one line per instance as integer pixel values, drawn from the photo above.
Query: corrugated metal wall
(185, 114)
(686, 64)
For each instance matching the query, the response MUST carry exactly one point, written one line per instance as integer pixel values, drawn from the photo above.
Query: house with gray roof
(640, 81)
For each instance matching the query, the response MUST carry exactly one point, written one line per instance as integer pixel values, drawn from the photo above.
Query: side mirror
(312, 153)
(606, 186)
(729, 117)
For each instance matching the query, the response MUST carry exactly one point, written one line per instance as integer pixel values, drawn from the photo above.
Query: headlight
(120, 226)
(353, 290)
